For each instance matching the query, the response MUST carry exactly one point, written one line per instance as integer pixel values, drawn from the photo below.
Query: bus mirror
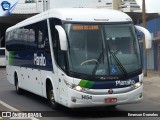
(147, 34)
(62, 37)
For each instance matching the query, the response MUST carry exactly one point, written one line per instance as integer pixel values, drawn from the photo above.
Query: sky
(152, 6)
(21, 1)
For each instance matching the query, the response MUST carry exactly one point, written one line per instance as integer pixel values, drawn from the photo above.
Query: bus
(2, 57)
(66, 56)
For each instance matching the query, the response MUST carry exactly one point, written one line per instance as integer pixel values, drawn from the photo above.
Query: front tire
(18, 89)
(51, 98)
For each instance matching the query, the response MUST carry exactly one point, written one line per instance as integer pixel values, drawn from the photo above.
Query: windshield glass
(102, 49)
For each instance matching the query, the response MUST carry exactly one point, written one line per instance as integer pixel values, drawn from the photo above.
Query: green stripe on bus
(83, 83)
(86, 84)
(89, 84)
(11, 57)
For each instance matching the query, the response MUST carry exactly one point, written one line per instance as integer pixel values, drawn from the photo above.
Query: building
(129, 6)
(153, 55)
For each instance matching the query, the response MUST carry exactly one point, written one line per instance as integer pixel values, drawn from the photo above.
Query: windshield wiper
(101, 55)
(123, 70)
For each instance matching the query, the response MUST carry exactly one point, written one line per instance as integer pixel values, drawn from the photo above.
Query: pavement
(151, 89)
(152, 86)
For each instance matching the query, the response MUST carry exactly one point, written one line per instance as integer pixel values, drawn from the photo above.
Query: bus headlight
(79, 88)
(75, 87)
(137, 85)
(70, 85)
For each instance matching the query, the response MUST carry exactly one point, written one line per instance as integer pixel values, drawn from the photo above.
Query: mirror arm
(62, 37)
(147, 34)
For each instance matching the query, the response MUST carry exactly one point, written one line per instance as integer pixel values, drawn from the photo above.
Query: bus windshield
(103, 49)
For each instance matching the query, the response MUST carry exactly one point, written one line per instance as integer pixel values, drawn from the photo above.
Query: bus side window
(29, 36)
(60, 54)
(42, 37)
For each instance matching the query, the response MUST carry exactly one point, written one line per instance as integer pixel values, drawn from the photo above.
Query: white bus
(2, 57)
(66, 56)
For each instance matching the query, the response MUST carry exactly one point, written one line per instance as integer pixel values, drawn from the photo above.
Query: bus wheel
(18, 90)
(51, 98)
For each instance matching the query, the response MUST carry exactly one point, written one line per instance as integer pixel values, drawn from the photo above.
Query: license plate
(111, 100)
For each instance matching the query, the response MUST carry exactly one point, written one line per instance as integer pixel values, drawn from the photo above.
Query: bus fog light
(73, 100)
(137, 85)
(75, 87)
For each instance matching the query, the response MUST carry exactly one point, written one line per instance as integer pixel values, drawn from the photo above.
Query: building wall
(153, 54)
(25, 8)
(158, 55)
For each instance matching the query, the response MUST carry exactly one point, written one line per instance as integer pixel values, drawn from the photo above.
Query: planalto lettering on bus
(73, 60)
(128, 82)
(39, 60)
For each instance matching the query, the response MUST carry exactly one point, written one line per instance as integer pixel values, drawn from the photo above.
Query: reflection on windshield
(90, 48)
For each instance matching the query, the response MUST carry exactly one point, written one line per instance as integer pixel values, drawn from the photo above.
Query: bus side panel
(9, 70)
(10, 74)
(30, 80)
(63, 88)
(52, 76)
(33, 80)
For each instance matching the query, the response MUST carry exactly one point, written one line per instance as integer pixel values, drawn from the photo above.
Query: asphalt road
(31, 102)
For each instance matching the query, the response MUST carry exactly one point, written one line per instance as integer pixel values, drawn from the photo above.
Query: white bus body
(65, 55)
(2, 57)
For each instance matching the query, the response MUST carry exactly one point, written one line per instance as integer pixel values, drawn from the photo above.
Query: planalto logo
(5, 5)
(127, 82)
(39, 60)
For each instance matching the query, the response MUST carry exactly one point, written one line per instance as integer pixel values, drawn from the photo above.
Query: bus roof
(77, 15)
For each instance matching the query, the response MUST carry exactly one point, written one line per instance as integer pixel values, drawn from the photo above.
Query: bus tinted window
(30, 37)
(2, 52)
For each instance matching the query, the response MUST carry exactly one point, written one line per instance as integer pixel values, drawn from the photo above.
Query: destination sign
(85, 27)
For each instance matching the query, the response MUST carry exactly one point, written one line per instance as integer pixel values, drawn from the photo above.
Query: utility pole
(144, 43)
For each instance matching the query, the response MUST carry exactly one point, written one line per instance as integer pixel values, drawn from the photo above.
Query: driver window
(58, 53)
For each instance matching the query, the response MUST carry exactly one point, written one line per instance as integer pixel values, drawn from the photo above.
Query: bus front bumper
(79, 99)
